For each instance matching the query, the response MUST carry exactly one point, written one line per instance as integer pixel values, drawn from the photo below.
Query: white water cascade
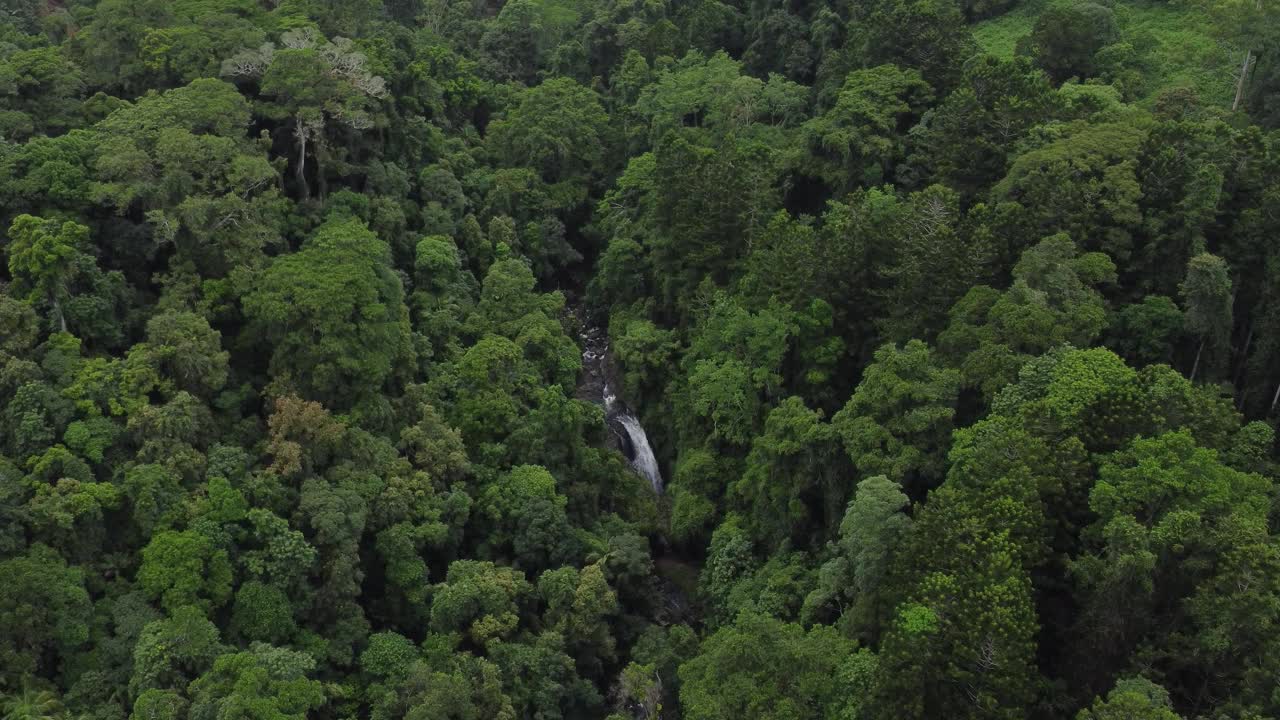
(642, 459)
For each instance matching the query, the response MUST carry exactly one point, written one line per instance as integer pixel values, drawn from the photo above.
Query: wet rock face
(618, 435)
(597, 370)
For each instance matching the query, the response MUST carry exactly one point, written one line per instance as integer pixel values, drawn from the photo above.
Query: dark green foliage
(1207, 299)
(264, 682)
(967, 139)
(1084, 184)
(1146, 332)
(335, 313)
(336, 336)
(855, 583)
(44, 611)
(927, 34)
(898, 422)
(858, 140)
(790, 487)
(1067, 37)
(760, 667)
(1053, 300)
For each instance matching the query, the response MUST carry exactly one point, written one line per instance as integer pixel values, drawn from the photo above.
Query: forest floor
(1174, 38)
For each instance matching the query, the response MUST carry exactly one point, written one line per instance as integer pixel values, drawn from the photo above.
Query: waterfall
(595, 386)
(642, 459)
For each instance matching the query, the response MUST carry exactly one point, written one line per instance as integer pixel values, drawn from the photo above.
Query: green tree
(1084, 183)
(262, 613)
(511, 307)
(1249, 27)
(1146, 332)
(184, 161)
(1135, 698)
(159, 705)
(480, 600)
(526, 36)
(541, 681)
(971, 625)
(263, 683)
(733, 366)
(898, 422)
(171, 652)
(730, 559)
(559, 129)
(445, 685)
(858, 141)
(108, 47)
(937, 257)
(313, 82)
(389, 655)
(760, 667)
(40, 92)
(928, 35)
(44, 611)
(968, 139)
(582, 607)
(1165, 493)
(711, 203)
(185, 568)
(1207, 299)
(857, 580)
(44, 257)
(645, 352)
(1053, 300)
(526, 519)
(334, 315)
(791, 490)
(1067, 37)
(155, 493)
(185, 349)
(32, 702)
(718, 98)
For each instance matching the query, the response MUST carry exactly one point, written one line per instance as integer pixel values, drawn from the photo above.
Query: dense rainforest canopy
(954, 326)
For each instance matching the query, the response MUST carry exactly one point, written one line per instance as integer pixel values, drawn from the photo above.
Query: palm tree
(31, 703)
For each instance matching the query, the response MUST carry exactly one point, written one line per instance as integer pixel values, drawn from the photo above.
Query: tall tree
(334, 316)
(898, 422)
(1207, 299)
(313, 82)
(44, 256)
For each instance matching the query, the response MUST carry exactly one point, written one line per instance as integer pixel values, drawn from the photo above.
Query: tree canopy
(639, 360)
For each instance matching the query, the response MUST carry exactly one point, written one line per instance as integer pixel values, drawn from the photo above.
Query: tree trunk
(1196, 366)
(301, 172)
(1275, 398)
(321, 185)
(1244, 72)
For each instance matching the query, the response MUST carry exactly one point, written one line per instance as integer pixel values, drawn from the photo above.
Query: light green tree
(185, 568)
(44, 257)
